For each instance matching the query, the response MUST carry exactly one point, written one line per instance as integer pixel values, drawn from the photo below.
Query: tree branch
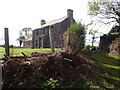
(118, 3)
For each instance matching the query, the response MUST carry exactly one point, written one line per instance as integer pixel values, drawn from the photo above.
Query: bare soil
(28, 71)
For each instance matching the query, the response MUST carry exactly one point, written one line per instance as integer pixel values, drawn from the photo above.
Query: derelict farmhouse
(40, 36)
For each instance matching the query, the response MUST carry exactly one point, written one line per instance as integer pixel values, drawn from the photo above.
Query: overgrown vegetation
(79, 30)
(74, 37)
(48, 84)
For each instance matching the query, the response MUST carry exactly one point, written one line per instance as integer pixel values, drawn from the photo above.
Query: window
(44, 31)
(40, 42)
(37, 32)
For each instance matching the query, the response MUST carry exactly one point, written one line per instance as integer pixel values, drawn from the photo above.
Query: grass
(109, 69)
(17, 51)
(116, 57)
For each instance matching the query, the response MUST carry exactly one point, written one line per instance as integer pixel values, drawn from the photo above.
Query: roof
(54, 21)
(115, 29)
(29, 39)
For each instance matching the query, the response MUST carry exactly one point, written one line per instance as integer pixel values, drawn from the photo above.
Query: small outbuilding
(27, 43)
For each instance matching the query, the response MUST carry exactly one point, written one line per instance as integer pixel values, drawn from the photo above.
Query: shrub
(51, 83)
(74, 37)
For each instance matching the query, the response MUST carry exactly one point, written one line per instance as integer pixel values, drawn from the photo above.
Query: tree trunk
(20, 42)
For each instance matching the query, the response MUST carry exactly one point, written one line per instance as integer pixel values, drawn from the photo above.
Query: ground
(109, 69)
(89, 69)
(27, 51)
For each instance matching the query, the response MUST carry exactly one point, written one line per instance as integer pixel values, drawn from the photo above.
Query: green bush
(79, 30)
(51, 83)
(87, 47)
(74, 38)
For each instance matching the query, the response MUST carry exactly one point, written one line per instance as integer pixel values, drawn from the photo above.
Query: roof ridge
(29, 38)
(58, 19)
(54, 21)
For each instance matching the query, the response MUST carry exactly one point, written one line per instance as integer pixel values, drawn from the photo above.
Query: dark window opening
(43, 31)
(37, 32)
(40, 42)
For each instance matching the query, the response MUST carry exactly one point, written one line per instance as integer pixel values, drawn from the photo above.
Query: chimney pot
(70, 13)
(43, 22)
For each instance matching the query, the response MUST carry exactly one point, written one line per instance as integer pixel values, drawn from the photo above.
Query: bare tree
(27, 32)
(24, 34)
(21, 39)
(95, 34)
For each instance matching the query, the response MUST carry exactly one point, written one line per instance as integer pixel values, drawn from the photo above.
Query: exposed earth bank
(61, 66)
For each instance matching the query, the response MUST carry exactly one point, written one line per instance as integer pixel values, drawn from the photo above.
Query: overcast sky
(18, 14)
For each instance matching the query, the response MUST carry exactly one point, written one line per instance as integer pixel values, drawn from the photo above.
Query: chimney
(70, 13)
(43, 22)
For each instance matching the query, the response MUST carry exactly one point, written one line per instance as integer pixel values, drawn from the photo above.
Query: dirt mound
(26, 72)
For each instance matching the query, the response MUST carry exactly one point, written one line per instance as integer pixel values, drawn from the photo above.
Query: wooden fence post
(7, 52)
(51, 33)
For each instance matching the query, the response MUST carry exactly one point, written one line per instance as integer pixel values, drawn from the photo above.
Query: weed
(48, 84)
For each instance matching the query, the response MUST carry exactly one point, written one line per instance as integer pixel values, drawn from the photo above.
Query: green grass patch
(116, 57)
(109, 67)
(99, 82)
(102, 57)
(112, 67)
(27, 51)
